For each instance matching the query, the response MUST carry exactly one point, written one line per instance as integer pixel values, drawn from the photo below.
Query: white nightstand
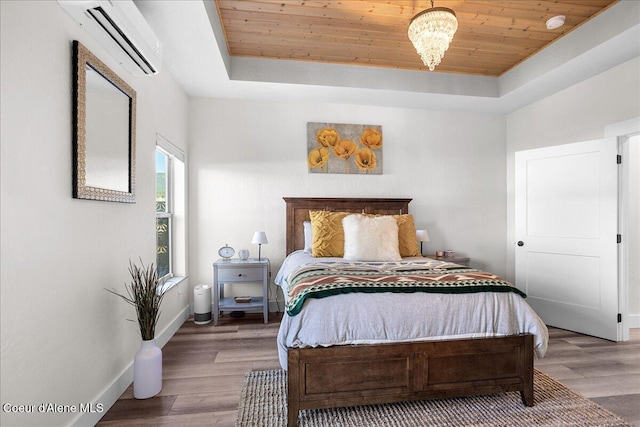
(239, 271)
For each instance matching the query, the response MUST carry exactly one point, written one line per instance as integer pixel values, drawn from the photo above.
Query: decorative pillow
(308, 236)
(408, 242)
(370, 238)
(327, 233)
(407, 236)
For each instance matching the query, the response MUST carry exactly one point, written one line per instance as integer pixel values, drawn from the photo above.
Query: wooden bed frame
(330, 377)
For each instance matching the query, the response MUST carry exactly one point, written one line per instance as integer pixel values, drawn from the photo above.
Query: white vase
(147, 370)
(243, 254)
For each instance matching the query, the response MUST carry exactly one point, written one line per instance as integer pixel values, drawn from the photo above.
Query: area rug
(263, 403)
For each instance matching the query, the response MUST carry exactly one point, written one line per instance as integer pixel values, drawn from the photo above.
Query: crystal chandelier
(431, 31)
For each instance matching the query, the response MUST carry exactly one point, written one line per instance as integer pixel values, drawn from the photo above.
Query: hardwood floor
(606, 372)
(204, 368)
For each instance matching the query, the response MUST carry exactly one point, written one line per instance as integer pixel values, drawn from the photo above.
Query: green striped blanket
(323, 279)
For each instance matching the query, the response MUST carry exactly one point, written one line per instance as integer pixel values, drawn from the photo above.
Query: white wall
(246, 156)
(578, 113)
(65, 340)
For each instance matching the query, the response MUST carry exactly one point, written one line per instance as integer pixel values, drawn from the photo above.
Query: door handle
(520, 243)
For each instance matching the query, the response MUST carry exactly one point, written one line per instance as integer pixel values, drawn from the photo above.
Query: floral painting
(344, 148)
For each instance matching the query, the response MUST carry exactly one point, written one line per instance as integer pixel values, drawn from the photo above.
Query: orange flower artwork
(317, 158)
(328, 137)
(344, 148)
(366, 159)
(371, 138)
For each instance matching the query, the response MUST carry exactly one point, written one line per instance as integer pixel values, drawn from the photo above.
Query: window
(163, 214)
(170, 210)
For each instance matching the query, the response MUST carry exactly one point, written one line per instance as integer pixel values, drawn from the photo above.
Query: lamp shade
(422, 235)
(259, 238)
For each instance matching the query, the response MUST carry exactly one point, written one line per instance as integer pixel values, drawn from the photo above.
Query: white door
(566, 233)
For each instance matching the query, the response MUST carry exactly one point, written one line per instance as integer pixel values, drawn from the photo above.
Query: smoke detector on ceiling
(555, 22)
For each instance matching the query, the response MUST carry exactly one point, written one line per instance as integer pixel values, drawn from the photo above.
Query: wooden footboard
(370, 374)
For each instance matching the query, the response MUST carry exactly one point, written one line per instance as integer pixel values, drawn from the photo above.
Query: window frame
(168, 210)
(172, 154)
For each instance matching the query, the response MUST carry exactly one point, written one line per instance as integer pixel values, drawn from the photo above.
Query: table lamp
(422, 236)
(259, 238)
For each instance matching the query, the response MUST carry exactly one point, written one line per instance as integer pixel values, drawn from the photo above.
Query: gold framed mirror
(104, 140)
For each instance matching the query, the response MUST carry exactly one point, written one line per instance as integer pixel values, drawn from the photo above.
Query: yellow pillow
(328, 234)
(407, 239)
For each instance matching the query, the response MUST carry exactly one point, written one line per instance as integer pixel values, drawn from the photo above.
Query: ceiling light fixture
(555, 22)
(431, 31)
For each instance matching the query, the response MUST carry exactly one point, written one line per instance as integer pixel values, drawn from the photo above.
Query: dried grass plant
(144, 295)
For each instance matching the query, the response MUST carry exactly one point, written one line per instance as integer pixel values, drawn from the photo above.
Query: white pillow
(368, 238)
(308, 237)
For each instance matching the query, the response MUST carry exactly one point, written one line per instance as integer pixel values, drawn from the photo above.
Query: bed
(413, 359)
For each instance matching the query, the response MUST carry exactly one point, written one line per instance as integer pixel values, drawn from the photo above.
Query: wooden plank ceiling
(492, 37)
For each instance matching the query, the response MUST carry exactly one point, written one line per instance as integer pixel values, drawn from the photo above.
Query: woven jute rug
(263, 403)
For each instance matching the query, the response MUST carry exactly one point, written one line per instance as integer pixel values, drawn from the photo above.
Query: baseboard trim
(634, 320)
(112, 392)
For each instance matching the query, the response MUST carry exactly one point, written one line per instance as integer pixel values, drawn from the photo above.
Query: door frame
(623, 131)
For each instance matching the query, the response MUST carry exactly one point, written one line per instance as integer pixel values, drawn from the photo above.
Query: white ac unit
(121, 29)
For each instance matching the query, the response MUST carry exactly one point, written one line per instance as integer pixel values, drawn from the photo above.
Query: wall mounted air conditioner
(121, 29)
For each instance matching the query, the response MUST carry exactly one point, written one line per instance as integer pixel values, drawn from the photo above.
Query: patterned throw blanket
(323, 279)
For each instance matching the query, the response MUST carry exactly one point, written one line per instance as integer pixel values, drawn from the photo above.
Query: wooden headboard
(298, 212)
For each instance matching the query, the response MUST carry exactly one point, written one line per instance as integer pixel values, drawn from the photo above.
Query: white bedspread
(362, 318)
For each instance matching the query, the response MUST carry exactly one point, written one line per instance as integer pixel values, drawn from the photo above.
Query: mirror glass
(107, 150)
(104, 143)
